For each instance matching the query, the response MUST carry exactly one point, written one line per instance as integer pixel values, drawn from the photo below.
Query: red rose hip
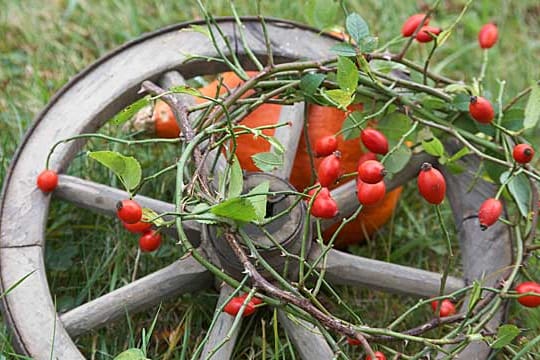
(481, 110)
(329, 169)
(370, 194)
(447, 308)
(529, 287)
(487, 37)
(412, 23)
(324, 206)
(523, 153)
(378, 356)
(233, 306)
(431, 184)
(374, 141)
(47, 180)
(326, 145)
(426, 34)
(489, 212)
(371, 171)
(138, 227)
(149, 241)
(129, 211)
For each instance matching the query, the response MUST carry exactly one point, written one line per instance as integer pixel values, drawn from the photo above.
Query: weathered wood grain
(347, 269)
(307, 339)
(182, 276)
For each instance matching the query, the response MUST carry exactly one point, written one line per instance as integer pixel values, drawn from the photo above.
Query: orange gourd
(322, 121)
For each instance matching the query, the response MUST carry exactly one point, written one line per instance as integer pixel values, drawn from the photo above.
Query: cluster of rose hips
(130, 213)
(370, 187)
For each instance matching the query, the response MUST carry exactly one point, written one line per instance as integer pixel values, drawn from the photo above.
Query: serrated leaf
(131, 354)
(532, 110)
(259, 201)
(433, 147)
(339, 98)
(184, 89)
(476, 292)
(347, 75)
(385, 66)
(356, 27)
(311, 82)
(461, 102)
(398, 160)
(344, 49)
(239, 209)
(505, 335)
(520, 190)
(127, 168)
(352, 126)
(277, 146)
(267, 161)
(236, 178)
(433, 103)
(129, 111)
(206, 217)
(149, 214)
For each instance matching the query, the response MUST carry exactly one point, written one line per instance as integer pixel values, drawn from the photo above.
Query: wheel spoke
(221, 340)
(347, 269)
(101, 198)
(183, 276)
(307, 339)
(289, 136)
(345, 194)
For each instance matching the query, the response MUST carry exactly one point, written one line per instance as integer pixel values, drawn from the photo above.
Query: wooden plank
(101, 198)
(307, 339)
(289, 136)
(347, 269)
(29, 308)
(181, 277)
(220, 332)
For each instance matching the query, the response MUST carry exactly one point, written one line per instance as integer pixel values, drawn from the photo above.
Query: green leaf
(433, 147)
(461, 102)
(505, 335)
(356, 27)
(277, 146)
(458, 88)
(344, 49)
(339, 98)
(311, 82)
(239, 209)
(398, 160)
(352, 126)
(259, 201)
(532, 110)
(127, 168)
(520, 190)
(433, 103)
(206, 217)
(130, 111)
(347, 75)
(368, 44)
(149, 214)
(394, 125)
(458, 155)
(476, 292)
(385, 66)
(268, 161)
(236, 179)
(131, 354)
(513, 119)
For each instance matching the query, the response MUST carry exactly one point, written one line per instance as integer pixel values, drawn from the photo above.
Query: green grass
(45, 43)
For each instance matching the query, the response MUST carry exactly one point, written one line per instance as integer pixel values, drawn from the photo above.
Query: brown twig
(260, 282)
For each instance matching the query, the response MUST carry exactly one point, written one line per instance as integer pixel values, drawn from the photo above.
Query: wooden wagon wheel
(103, 89)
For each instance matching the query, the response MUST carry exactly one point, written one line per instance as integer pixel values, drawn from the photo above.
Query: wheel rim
(116, 78)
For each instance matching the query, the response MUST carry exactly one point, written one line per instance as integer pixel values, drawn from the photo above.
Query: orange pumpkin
(322, 121)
